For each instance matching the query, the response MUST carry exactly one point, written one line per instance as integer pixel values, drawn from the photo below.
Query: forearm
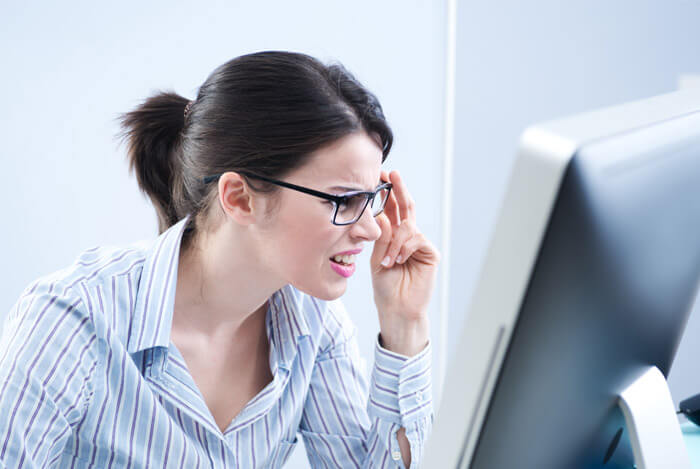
(405, 447)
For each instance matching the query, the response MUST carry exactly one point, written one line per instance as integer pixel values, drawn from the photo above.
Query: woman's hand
(404, 283)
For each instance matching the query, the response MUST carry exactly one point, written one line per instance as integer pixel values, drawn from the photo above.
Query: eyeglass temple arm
(323, 195)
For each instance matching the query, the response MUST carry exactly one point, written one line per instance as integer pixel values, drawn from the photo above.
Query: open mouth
(344, 260)
(341, 262)
(343, 266)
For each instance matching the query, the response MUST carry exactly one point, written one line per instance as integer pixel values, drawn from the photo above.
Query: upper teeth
(347, 259)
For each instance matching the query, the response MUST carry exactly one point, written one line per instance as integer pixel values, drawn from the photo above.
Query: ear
(237, 199)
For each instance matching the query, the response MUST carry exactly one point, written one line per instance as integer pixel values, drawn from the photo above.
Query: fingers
(382, 244)
(384, 238)
(401, 235)
(407, 242)
(400, 216)
(384, 176)
(409, 248)
(421, 248)
(392, 207)
(403, 199)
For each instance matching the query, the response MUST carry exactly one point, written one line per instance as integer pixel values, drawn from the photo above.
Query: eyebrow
(347, 189)
(350, 189)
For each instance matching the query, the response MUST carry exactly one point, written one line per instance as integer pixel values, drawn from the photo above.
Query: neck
(222, 287)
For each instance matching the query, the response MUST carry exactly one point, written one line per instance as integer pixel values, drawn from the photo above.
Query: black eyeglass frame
(336, 199)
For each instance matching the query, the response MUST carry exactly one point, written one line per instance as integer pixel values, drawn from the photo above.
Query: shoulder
(55, 334)
(49, 346)
(90, 274)
(99, 265)
(72, 301)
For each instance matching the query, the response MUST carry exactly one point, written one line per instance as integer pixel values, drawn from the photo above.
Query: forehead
(353, 161)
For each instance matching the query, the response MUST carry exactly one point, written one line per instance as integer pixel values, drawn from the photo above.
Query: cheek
(305, 236)
(314, 246)
(310, 241)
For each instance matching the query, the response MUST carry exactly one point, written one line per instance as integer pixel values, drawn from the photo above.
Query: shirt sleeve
(44, 361)
(350, 422)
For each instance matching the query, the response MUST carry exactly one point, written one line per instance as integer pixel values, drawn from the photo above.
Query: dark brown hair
(261, 113)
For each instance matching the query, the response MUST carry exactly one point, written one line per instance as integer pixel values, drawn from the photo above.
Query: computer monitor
(586, 287)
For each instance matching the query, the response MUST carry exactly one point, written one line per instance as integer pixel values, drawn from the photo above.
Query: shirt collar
(155, 300)
(286, 325)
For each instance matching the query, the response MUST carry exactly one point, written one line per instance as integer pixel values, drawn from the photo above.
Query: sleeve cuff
(401, 389)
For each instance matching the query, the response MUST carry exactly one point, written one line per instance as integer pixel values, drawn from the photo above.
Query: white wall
(70, 68)
(523, 62)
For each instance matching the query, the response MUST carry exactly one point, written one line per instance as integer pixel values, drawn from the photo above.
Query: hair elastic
(187, 108)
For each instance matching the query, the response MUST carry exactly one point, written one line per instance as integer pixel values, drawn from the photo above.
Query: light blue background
(70, 69)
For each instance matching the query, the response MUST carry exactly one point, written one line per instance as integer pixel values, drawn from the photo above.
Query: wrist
(406, 338)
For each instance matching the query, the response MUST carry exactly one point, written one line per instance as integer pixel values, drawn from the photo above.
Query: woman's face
(300, 240)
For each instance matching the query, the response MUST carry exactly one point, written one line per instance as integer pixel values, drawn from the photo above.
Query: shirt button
(396, 455)
(419, 397)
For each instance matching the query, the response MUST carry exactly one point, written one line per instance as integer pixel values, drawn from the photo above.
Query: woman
(214, 345)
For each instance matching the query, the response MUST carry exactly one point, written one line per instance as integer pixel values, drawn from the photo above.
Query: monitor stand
(657, 441)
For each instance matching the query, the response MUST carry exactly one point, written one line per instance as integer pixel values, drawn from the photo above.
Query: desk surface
(691, 435)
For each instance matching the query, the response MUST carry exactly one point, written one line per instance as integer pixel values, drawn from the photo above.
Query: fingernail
(386, 261)
(398, 259)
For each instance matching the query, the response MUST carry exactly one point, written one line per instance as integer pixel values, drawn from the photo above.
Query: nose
(366, 227)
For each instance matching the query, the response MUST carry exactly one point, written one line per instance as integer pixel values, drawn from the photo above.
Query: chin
(329, 293)
(331, 297)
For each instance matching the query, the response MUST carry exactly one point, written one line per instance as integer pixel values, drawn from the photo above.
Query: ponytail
(152, 133)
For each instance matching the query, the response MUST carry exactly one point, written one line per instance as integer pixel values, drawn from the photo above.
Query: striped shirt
(90, 378)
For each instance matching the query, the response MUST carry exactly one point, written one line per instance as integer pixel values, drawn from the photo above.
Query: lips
(347, 253)
(342, 269)
(345, 270)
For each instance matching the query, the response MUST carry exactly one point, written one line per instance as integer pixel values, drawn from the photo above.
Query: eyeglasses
(348, 207)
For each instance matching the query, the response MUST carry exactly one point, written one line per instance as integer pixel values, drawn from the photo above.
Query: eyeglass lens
(352, 209)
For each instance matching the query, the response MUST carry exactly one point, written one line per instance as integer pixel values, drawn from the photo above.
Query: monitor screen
(600, 287)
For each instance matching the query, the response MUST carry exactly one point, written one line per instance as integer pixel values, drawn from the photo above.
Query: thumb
(381, 245)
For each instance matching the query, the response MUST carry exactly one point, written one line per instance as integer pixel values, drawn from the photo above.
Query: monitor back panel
(615, 278)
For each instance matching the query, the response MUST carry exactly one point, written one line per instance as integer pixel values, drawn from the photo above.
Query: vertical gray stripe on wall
(448, 158)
